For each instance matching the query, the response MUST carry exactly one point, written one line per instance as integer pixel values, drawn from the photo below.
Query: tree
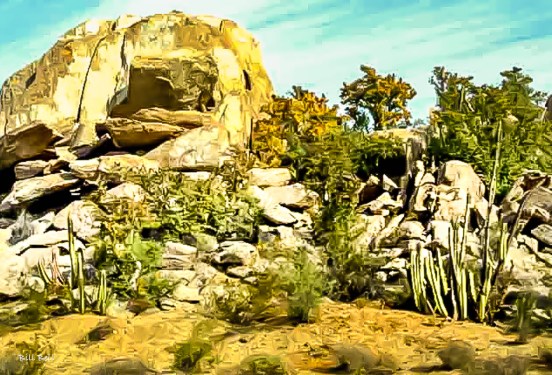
(380, 98)
(302, 113)
(466, 122)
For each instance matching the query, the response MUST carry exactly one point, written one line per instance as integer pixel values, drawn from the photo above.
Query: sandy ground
(410, 339)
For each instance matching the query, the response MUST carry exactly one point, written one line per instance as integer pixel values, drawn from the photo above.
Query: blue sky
(320, 44)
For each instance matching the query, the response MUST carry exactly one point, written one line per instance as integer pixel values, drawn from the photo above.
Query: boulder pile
(179, 92)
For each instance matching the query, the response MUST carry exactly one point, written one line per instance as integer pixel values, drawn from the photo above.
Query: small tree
(381, 98)
(302, 113)
(467, 119)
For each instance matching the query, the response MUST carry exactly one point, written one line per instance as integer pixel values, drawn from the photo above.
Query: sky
(319, 44)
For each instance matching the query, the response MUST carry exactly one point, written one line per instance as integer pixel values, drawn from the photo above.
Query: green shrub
(243, 303)
(262, 365)
(188, 354)
(133, 234)
(466, 123)
(304, 286)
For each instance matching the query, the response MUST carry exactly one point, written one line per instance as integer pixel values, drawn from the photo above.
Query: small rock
(13, 275)
(269, 177)
(85, 218)
(272, 211)
(26, 191)
(543, 233)
(40, 240)
(458, 174)
(29, 168)
(126, 190)
(41, 225)
(457, 355)
(293, 196)
(185, 293)
(412, 230)
(236, 253)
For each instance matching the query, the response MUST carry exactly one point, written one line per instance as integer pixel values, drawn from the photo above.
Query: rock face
(161, 75)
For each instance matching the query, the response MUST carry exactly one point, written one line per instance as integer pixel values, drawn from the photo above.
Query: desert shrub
(185, 206)
(188, 354)
(302, 113)
(466, 123)
(243, 304)
(304, 286)
(133, 234)
(262, 365)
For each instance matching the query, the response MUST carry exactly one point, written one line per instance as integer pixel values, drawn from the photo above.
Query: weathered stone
(30, 168)
(236, 253)
(369, 226)
(440, 232)
(197, 149)
(112, 168)
(450, 203)
(482, 209)
(165, 62)
(184, 276)
(132, 133)
(265, 177)
(389, 229)
(26, 191)
(543, 233)
(128, 191)
(461, 175)
(272, 211)
(207, 274)
(383, 202)
(26, 140)
(85, 217)
(181, 119)
(40, 240)
(13, 275)
(177, 256)
(422, 199)
(411, 230)
(388, 184)
(293, 196)
(85, 169)
(538, 203)
(42, 224)
(5, 235)
(185, 293)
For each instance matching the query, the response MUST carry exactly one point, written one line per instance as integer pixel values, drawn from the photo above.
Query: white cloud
(303, 44)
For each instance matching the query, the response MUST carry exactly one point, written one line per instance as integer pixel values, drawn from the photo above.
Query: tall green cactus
(454, 281)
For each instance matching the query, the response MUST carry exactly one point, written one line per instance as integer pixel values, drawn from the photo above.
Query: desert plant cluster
(498, 129)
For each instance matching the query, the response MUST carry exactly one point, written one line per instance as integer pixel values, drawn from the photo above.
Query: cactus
(76, 277)
(80, 280)
(488, 267)
(465, 285)
(101, 297)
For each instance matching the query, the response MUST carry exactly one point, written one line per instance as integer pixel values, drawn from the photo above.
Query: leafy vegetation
(381, 99)
(304, 287)
(466, 122)
(262, 365)
(174, 207)
(190, 355)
